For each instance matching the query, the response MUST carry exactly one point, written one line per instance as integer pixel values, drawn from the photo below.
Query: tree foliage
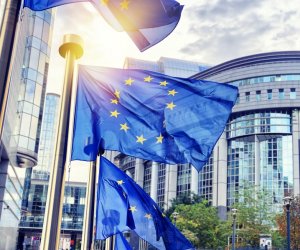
(199, 222)
(294, 223)
(254, 216)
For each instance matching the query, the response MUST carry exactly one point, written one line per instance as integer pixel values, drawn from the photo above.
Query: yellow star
(164, 83)
(133, 208)
(140, 139)
(104, 2)
(148, 79)
(124, 4)
(148, 216)
(120, 182)
(117, 94)
(171, 105)
(159, 139)
(172, 92)
(129, 81)
(114, 101)
(124, 127)
(114, 113)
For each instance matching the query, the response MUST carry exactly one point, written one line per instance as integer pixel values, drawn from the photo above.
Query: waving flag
(150, 223)
(146, 22)
(148, 115)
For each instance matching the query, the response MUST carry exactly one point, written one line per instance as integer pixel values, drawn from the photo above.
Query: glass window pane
(38, 93)
(25, 124)
(30, 88)
(38, 27)
(34, 59)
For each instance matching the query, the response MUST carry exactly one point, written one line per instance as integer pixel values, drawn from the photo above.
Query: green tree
(199, 222)
(254, 215)
(187, 198)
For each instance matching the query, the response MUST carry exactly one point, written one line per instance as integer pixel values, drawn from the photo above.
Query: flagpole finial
(71, 42)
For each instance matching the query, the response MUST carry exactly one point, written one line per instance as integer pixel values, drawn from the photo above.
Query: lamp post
(175, 215)
(234, 211)
(287, 202)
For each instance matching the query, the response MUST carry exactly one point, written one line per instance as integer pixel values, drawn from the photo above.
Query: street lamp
(233, 211)
(287, 202)
(175, 215)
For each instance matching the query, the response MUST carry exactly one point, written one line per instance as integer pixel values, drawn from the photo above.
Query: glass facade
(183, 179)
(260, 153)
(161, 182)
(36, 185)
(127, 163)
(34, 76)
(241, 167)
(266, 79)
(262, 122)
(11, 190)
(205, 185)
(147, 176)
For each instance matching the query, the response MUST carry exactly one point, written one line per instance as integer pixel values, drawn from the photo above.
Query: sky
(209, 32)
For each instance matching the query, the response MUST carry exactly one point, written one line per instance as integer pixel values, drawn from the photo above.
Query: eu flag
(148, 115)
(146, 22)
(150, 223)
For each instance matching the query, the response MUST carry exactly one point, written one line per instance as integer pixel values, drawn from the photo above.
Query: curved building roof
(246, 61)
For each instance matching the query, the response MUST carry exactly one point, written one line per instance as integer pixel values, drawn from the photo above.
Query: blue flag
(146, 22)
(148, 115)
(121, 243)
(150, 223)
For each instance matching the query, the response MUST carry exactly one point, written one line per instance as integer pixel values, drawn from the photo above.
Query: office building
(20, 137)
(36, 187)
(259, 147)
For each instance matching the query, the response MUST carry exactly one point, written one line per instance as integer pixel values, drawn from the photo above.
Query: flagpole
(71, 49)
(7, 35)
(88, 220)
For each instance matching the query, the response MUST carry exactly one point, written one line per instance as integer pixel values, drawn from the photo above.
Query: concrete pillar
(296, 139)
(257, 161)
(139, 172)
(220, 176)
(194, 180)
(154, 179)
(171, 184)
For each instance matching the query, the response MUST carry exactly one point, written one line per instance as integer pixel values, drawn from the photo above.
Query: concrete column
(154, 179)
(171, 184)
(194, 180)
(220, 176)
(257, 161)
(296, 139)
(139, 172)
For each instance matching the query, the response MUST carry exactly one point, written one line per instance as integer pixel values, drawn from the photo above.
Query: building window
(238, 99)
(147, 177)
(269, 95)
(293, 93)
(247, 95)
(258, 95)
(281, 94)
(183, 179)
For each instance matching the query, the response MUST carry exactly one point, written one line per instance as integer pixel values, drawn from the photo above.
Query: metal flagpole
(7, 35)
(88, 225)
(71, 49)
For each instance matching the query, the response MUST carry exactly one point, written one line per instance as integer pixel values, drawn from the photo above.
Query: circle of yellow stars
(128, 82)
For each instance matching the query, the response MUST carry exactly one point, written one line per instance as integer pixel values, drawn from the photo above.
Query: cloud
(227, 29)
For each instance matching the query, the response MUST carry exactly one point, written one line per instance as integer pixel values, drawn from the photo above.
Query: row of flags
(143, 114)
